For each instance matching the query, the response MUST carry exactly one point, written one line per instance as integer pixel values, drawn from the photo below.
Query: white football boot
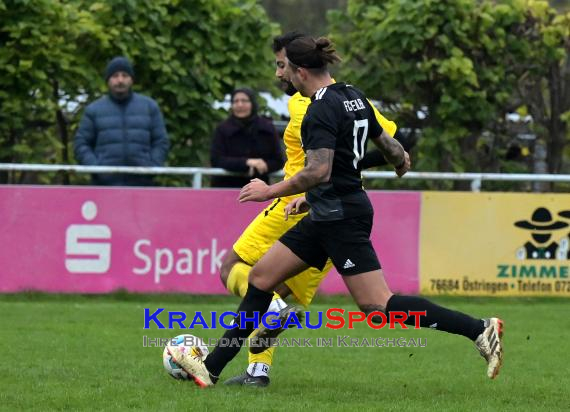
(191, 360)
(490, 345)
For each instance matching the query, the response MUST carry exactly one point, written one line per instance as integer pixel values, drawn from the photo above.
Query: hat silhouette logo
(541, 245)
(541, 220)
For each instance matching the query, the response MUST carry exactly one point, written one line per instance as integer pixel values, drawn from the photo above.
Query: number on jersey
(360, 133)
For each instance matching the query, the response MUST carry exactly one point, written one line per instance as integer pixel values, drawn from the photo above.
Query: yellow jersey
(297, 107)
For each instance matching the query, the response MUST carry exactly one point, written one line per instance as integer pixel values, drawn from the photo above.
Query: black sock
(437, 317)
(255, 300)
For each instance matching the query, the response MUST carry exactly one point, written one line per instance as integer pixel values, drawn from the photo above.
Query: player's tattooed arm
(393, 152)
(317, 170)
(390, 148)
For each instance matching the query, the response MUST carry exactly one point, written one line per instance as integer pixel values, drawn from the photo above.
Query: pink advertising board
(98, 240)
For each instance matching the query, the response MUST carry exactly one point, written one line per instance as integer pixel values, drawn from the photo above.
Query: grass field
(86, 353)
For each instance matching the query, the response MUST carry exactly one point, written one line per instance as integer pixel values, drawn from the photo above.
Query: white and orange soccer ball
(189, 343)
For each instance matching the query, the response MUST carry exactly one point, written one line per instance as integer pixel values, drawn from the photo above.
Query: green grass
(85, 353)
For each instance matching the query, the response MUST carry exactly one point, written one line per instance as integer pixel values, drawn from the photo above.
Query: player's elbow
(321, 174)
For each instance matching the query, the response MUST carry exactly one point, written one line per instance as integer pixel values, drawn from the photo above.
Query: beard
(287, 87)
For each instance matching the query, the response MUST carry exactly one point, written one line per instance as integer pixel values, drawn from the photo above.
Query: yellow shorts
(262, 233)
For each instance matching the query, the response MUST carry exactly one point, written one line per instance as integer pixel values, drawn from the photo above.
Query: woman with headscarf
(245, 142)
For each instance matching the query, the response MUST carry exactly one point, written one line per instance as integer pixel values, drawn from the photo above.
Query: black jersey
(340, 118)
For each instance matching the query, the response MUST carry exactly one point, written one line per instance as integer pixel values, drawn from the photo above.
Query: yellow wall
(469, 243)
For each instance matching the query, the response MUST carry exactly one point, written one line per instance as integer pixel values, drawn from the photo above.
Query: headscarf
(251, 94)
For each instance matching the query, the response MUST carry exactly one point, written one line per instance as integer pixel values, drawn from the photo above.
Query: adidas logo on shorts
(348, 264)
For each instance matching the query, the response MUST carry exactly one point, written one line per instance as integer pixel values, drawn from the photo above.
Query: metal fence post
(476, 185)
(197, 180)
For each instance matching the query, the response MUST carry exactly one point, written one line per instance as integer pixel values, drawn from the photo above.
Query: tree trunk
(540, 166)
(468, 147)
(554, 125)
(62, 131)
(6, 176)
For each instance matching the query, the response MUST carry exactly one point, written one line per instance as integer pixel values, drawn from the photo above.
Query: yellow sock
(237, 279)
(264, 357)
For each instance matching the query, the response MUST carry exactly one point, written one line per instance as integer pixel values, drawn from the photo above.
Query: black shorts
(346, 242)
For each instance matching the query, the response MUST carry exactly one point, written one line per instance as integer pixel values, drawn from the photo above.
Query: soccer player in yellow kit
(270, 224)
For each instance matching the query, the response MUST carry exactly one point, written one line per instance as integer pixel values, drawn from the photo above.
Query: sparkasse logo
(87, 246)
(88, 251)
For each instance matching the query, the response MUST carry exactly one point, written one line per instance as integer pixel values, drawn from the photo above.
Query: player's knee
(255, 276)
(257, 279)
(227, 265)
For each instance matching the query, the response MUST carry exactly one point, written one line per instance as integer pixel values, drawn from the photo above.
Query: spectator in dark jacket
(245, 142)
(122, 128)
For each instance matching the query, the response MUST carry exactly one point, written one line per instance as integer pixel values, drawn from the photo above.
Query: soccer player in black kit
(338, 123)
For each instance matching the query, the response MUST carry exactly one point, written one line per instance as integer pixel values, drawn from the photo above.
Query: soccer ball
(193, 344)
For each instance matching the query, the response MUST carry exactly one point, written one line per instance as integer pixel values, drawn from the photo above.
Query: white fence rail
(198, 173)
